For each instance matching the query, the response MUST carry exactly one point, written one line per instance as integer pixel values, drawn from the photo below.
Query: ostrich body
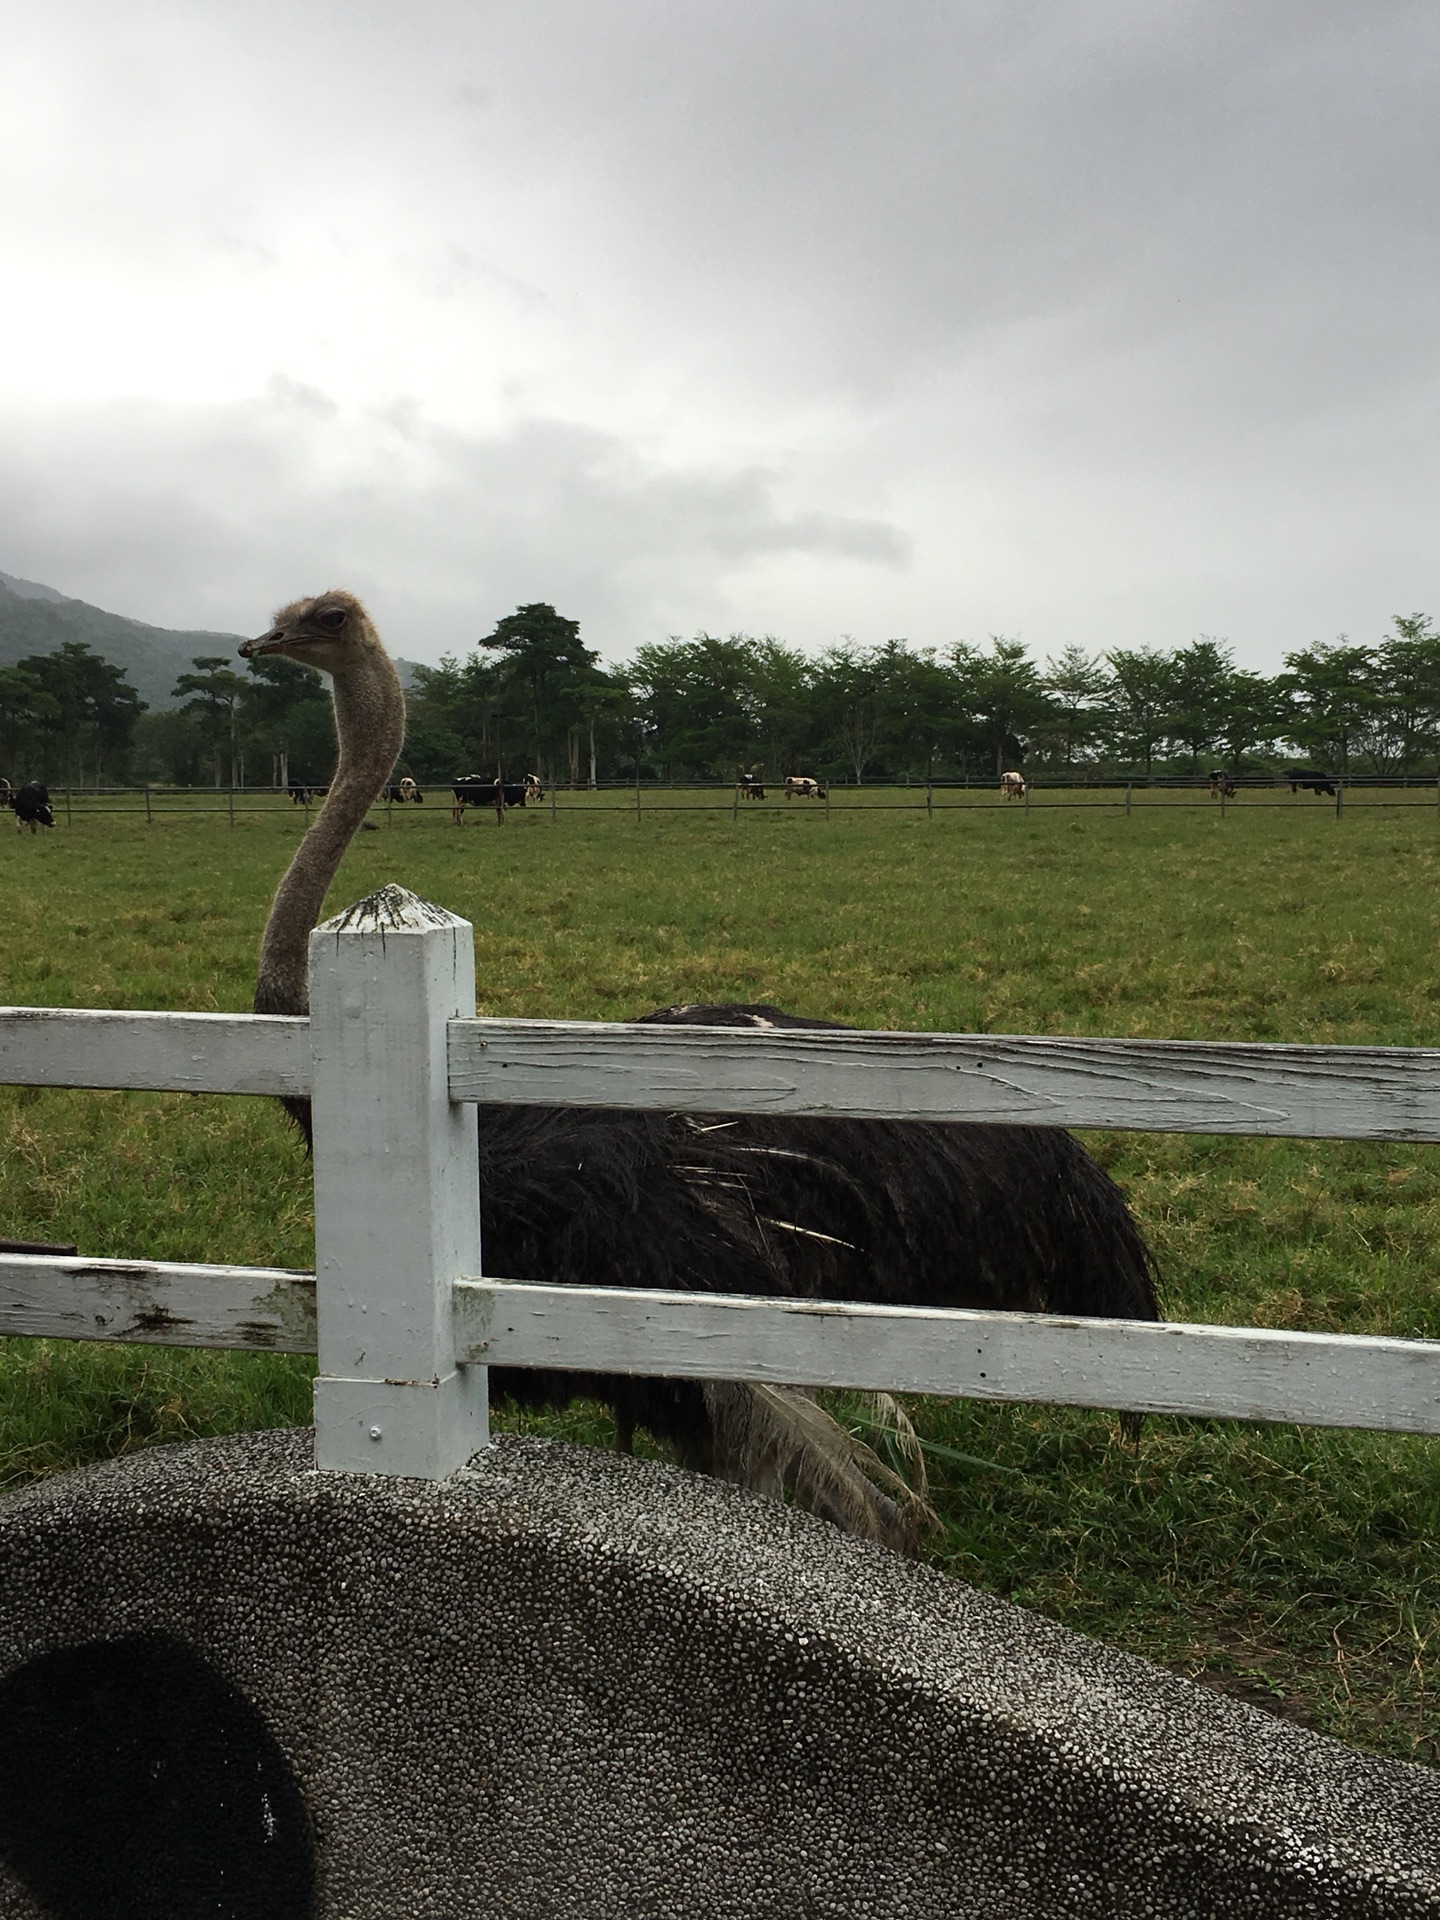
(907, 1213)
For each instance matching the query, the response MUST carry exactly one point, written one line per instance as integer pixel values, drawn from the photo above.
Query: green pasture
(1296, 1567)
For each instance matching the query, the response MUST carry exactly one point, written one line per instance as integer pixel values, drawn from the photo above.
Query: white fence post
(397, 1209)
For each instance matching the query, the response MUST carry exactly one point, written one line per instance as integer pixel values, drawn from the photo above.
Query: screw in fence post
(1127, 799)
(397, 1211)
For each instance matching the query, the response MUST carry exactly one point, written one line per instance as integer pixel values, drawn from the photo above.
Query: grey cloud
(1112, 322)
(191, 517)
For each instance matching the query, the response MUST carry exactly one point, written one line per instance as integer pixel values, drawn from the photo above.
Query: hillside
(38, 619)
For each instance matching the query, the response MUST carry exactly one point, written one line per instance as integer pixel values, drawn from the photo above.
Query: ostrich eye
(334, 618)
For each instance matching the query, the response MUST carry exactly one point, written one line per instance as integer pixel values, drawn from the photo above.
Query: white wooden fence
(404, 1326)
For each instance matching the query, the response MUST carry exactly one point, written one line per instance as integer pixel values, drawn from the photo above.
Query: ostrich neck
(370, 723)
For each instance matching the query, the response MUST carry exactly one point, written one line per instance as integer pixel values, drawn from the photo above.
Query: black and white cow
(32, 806)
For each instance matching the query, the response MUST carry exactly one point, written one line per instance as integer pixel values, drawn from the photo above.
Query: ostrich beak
(262, 643)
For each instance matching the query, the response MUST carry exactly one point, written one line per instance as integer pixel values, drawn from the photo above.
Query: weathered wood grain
(178, 1052)
(1339, 1093)
(1229, 1373)
(1386, 1093)
(162, 1302)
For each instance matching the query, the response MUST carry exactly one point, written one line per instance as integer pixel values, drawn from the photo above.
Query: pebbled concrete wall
(568, 1684)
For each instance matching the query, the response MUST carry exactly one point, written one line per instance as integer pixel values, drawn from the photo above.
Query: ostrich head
(331, 631)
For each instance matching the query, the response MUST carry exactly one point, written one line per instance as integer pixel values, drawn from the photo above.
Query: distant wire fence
(654, 797)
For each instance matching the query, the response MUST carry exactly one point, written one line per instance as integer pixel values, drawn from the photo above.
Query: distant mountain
(38, 619)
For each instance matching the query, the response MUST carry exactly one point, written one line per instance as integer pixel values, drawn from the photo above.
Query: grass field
(1297, 1568)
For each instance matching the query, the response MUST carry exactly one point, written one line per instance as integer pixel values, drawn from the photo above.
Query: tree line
(532, 697)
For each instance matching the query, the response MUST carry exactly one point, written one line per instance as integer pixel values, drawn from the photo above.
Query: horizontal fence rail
(1223, 1373)
(157, 1302)
(1163, 1086)
(163, 1052)
(1160, 1086)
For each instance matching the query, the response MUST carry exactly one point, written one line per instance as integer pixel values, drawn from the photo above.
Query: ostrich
(901, 1212)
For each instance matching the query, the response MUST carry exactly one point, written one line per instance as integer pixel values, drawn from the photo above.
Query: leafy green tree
(1004, 695)
(1201, 687)
(1253, 718)
(543, 672)
(1141, 699)
(1331, 694)
(27, 713)
(90, 711)
(920, 707)
(781, 704)
(1076, 685)
(286, 713)
(212, 695)
(454, 717)
(698, 702)
(843, 684)
(1406, 720)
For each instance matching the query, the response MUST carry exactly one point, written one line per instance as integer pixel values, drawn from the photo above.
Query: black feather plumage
(906, 1213)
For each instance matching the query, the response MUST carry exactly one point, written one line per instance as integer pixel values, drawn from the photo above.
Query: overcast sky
(1112, 323)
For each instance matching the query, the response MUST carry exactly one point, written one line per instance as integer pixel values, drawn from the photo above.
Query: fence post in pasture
(827, 799)
(552, 796)
(230, 798)
(735, 803)
(67, 806)
(1127, 799)
(930, 788)
(637, 793)
(1339, 798)
(147, 804)
(397, 1212)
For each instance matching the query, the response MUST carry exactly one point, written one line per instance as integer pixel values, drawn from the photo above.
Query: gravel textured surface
(565, 1683)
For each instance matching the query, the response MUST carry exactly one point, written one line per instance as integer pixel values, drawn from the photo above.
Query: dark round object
(136, 1783)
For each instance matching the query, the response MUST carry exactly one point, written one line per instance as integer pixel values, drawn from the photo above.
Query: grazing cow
(476, 790)
(301, 795)
(1012, 785)
(750, 787)
(802, 786)
(32, 806)
(403, 791)
(1316, 783)
(1222, 786)
(534, 787)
